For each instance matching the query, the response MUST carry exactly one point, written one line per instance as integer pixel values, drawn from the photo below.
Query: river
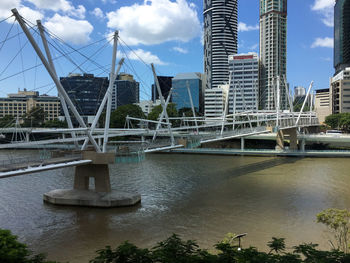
(199, 197)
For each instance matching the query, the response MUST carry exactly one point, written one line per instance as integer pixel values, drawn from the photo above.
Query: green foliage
(118, 116)
(7, 121)
(277, 245)
(125, 253)
(297, 107)
(56, 123)
(339, 121)
(175, 250)
(338, 222)
(157, 110)
(12, 251)
(34, 118)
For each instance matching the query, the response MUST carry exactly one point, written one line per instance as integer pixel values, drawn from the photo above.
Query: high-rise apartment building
(341, 35)
(220, 39)
(125, 91)
(273, 53)
(244, 89)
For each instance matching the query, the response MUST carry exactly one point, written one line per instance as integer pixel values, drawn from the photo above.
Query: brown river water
(199, 197)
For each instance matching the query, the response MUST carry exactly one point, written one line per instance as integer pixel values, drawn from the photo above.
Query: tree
(35, 117)
(12, 251)
(345, 121)
(157, 110)
(56, 123)
(277, 245)
(338, 222)
(118, 117)
(333, 121)
(7, 121)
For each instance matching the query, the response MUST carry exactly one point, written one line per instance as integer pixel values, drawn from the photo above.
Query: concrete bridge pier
(102, 195)
(292, 136)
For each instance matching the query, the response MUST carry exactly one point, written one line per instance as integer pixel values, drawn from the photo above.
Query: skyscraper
(220, 39)
(125, 91)
(341, 35)
(273, 53)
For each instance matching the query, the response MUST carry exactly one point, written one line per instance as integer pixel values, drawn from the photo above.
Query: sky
(167, 33)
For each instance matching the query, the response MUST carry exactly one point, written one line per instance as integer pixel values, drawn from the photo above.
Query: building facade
(341, 35)
(322, 104)
(19, 104)
(220, 39)
(180, 96)
(340, 92)
(215, 101)
(244, 89)
(165, 83)
(86, 92)
(125, 91)
(148, 105)
(273, 53)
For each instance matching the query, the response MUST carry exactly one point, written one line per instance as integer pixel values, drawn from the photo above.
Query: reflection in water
(198, 197)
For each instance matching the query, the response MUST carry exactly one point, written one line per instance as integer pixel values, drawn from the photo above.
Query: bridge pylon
(102, 195)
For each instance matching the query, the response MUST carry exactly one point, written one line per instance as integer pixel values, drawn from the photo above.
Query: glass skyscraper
(273, 53)
(220, 39)
(341, 35)
(125, 91)
(180, 94)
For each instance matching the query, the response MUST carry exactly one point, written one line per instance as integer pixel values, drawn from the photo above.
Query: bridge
(91, 149)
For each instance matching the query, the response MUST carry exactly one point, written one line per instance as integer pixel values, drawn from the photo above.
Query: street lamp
(239, 240)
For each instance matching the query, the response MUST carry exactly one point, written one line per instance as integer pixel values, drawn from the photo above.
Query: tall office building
(165, 87)
(180, 92)
(273, 53)
(340, 92)
(86, 92)
(125, 91)
(220, 39)
(244, 89)
(341, 35)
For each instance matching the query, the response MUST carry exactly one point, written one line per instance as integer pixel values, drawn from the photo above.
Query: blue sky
(165, 32)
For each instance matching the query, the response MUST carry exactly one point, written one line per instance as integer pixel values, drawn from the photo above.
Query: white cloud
(142, 55)
(243, 27)
(69, 29)
(326, 9)
(97, 12)
(155, 22)
(180, 50)
(6, 6)
(323, 42)
(30, 14)
(60, 5)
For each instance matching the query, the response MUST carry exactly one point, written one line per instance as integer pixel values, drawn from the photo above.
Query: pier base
(102, 195)
(91, 198)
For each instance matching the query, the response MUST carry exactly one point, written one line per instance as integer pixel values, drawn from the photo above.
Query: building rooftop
(190, 75)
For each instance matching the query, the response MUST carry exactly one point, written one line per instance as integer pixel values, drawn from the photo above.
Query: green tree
(118, 117)
(56, 123)
(333, 121)
(7, 121)
(277, 245)
(12, 251)
(338, 222)
(345, 121)
(157, 110)
(35, 117)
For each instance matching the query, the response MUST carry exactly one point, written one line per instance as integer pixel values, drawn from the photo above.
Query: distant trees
(157, 110)
(7, 121)
(118, 116)
(34, 118)
(339, 121)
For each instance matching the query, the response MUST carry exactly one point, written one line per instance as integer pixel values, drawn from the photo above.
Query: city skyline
(310, 33)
